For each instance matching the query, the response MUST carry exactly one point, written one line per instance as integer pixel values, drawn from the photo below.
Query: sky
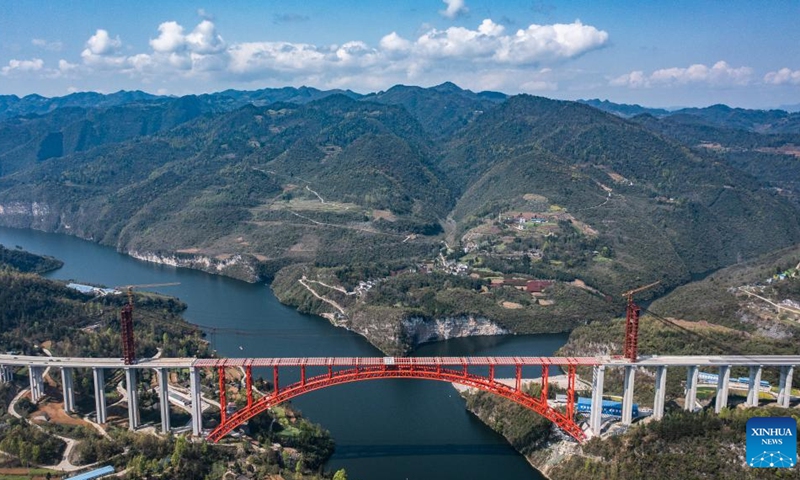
(654, 53)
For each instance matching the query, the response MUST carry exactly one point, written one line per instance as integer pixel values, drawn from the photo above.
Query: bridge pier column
(133, 398)
(36, 379)
(723, 382)
(197, 406)
(163, 397)
(6, 374)
(99, 376)
(661, 392)
(595, 417)
(68, 389)
(627, 395)
(755, 386)
(691, 388)
(785, 386)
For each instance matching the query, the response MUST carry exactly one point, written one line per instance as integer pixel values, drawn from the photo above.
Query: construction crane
(126, 321)
(632, 322)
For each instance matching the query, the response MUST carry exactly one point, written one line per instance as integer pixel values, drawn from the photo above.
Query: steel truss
(540, 405)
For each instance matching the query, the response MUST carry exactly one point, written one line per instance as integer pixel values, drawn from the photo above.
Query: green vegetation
(524, 429)
(27, 262)
(682, 445)
(38, 311)
(29, 444)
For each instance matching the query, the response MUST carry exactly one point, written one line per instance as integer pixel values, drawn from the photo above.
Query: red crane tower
(126, 322)
(632, 323)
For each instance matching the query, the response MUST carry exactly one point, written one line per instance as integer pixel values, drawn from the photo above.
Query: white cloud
(101, 43)
(51, 46)
(719, 74)
(102, 51)
(170, 38)
(784, 76)
(481, 57)
(22, 66)
(454, 8)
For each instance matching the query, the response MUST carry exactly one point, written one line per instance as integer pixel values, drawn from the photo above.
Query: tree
(340, 475)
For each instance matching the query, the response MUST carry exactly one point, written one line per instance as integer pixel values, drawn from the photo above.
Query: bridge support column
(99, 376)
(661, 392)
(627, 395)
(785, 386)
(691, 388)
(6, 374)
(595, 417)
(754, 387)
(163, 397)
(36, 379)
(723, 381)
(197, 406)
(133, 398)
(68, 389)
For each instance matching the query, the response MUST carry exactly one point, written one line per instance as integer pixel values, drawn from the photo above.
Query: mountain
(441, 110)
(302, 175)
(666, 211)
(622, 109)
(13, 106)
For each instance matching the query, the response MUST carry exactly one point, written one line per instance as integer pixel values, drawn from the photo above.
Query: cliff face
(417, 330)
(236, 266)
(397, 334)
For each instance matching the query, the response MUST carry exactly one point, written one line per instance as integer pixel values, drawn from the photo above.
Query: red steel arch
(565, 421)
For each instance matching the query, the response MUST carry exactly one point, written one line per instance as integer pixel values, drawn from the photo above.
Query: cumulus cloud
(719, 74)
(784, 76)
(454, 8)
(101, 43)
(488, 53)
(102, 51)
(22, 66)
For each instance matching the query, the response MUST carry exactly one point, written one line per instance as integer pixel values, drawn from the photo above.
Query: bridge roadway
(722, 364)
(191, 362)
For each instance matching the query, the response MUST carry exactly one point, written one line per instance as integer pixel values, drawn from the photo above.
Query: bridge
(476, 372)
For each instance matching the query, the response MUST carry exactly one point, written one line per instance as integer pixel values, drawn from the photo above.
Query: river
(389, 429)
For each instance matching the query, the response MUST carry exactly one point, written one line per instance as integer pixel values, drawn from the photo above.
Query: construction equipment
(126, 321)
(632, 322)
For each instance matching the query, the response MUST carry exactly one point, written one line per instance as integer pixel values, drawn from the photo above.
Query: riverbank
(246, 320)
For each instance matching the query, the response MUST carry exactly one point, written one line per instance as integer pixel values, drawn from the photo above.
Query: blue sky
(661, 54)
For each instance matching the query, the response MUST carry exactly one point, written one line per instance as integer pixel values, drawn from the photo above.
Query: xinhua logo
(772, 442)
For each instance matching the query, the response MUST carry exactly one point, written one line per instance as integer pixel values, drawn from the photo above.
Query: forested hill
(245, 183)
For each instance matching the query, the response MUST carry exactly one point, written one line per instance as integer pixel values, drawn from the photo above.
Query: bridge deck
(652, 361)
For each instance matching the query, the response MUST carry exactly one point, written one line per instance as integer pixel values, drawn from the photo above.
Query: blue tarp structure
(100, 472)
(610, 407)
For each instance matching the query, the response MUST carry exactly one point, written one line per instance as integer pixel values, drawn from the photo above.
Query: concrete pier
(598, 378)
(36, 379)
(163, 397)
(68, 389)
(754, 387)
(661, 392)
(785, 386)
(99, 377)
(723, 382)
(627, 395)
(6, 374)
(133, 398)
(691, 388)
(197, 406)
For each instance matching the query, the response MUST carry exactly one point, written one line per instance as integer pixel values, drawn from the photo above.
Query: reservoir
(385, 429)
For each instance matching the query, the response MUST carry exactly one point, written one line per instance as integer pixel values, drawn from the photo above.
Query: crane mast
(632, 322)
(126, 322)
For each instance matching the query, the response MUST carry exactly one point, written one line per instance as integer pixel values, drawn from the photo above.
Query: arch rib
(362, 373)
